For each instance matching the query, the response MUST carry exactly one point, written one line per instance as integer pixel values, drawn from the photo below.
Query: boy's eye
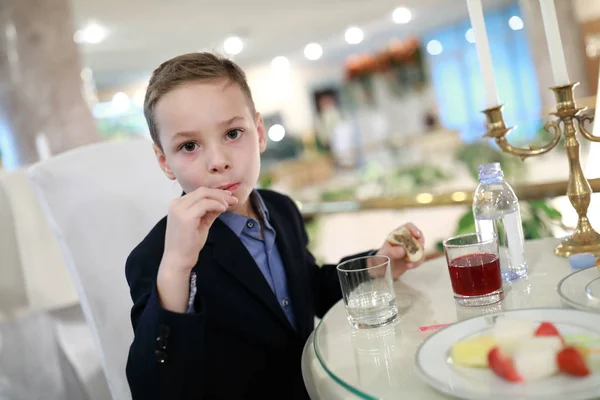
(189, 146)
(234, 134)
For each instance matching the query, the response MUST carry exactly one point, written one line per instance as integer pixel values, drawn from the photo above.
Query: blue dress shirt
(263, 250)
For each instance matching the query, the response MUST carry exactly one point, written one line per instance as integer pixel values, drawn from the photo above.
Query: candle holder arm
(533, 150)
(581, 120)
(496, 128)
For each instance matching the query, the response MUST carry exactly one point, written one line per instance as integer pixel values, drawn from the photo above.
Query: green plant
(539, 219)
(338, 194)
(424, 174)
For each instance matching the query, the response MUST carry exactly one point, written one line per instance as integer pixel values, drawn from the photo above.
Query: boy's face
(210, 138)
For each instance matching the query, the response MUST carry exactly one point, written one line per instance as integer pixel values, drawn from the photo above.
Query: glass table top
(379, 363)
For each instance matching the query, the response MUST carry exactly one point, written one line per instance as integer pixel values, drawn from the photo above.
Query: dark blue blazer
(238, 344)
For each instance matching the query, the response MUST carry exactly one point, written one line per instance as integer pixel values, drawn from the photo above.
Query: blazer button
(161, 356)
(161, 343)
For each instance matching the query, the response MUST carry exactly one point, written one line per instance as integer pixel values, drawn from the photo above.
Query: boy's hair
(190, 67)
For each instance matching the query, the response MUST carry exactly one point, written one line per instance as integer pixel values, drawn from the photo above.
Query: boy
(224, 290)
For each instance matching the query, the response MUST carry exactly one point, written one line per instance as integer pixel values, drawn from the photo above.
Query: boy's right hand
(188, 221)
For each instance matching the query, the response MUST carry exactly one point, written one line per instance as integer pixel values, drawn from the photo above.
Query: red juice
(475, 274)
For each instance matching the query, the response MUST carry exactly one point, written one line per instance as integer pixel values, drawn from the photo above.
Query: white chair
(32, 265)
(101, 200)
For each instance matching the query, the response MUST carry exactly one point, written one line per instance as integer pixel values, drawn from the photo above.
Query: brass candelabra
(584, 239)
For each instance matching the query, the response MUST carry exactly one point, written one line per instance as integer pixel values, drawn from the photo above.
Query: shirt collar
(236, 222)
(259, 203)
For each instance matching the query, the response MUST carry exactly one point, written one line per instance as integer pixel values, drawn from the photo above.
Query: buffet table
(339, 363)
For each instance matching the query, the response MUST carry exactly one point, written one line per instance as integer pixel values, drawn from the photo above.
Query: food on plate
(503, 365)
(509, 332)
(520, 351)
(473, 352)
(403, 237)
(572, 362)
(547, 329)
(536, 358)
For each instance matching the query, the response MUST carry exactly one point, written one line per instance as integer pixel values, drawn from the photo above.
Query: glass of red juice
(474, 267)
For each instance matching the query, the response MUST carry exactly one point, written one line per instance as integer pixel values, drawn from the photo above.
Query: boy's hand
(189, 219)
(397, 254)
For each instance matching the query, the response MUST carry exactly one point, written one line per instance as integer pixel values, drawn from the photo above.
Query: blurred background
(373, 111)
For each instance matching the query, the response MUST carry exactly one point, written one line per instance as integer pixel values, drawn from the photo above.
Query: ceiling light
(354, 35)
(515, 23)
(470, 35)
(120, 102)
(434, 47)
(233, 45)
(92, 34)
(401, 15)
(276, 132)
(313, 51)
(280, 63)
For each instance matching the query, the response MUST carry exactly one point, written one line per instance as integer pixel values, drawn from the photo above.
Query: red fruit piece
(571, 361)
(502, 365)
(548, 329)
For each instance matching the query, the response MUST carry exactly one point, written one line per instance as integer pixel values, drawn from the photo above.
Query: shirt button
(250, 224)
(285, 302)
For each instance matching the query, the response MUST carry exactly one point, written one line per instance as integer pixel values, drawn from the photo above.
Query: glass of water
(368, 291)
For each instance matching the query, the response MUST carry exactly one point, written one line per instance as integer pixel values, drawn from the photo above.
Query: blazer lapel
(231, 254)
(296, 280)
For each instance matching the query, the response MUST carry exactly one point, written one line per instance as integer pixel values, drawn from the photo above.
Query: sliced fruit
(536, 358)
(571, 361)
(509, 332)
(502, 365)
(548, 329)
(473, 352)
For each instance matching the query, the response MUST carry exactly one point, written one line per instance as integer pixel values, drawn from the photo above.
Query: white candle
(592, 170)
(483, 52)
(557, 55)
(596, 129)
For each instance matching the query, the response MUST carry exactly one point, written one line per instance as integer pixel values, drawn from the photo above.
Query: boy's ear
(262, 134)
(162, 161)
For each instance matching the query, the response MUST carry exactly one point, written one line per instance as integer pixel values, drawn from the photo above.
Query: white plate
(581, 289)
(434, 366)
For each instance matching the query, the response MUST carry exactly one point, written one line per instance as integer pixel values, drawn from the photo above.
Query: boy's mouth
(230, 186)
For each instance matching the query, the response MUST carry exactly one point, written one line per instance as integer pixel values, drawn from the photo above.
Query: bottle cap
(582, 260)
(491, 170)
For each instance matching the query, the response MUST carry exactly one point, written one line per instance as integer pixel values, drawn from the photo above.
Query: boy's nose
(220, 167)
(218, 162)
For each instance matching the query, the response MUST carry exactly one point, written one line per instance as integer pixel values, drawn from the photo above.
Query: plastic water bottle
(496, 211)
